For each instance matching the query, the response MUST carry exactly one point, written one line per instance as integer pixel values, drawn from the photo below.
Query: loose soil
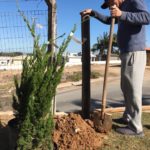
(73, 133)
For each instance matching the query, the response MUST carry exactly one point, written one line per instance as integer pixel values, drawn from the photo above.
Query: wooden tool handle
(107, 66)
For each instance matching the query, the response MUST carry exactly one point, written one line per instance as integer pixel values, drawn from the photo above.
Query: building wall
(74, 59)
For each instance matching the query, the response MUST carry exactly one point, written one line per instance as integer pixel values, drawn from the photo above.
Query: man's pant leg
(132, 73)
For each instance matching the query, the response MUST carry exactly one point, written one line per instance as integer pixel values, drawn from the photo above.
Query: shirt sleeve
(139, 16)
(102, 18)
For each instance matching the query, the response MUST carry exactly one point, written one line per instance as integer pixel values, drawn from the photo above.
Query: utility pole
(51, 23)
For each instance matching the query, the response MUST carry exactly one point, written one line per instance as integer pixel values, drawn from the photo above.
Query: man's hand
(115, 11)
(86, 12)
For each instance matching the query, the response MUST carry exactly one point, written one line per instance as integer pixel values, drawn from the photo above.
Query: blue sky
(68, 15)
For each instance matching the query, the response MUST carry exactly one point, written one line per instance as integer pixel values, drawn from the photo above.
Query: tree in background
(102, 45)
(34, 93)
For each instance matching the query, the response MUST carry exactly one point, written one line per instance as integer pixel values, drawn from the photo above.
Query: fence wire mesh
(15, 38)
(14, 34)
(16, 41)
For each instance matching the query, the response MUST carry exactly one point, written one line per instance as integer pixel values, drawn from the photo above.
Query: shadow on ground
(147, 126)
(146, 100)
(96, 103)
(8, 138)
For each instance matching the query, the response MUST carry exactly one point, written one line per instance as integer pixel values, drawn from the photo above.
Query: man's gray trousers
(132, 74)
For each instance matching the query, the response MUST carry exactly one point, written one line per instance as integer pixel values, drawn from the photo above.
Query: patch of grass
(76, 76)
(117, 141)
(95, 75)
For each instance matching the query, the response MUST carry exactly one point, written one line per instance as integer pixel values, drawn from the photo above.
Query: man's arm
(102, 18)
(139, 17)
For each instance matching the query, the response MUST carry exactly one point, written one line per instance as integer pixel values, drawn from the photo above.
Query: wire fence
(16, 41)
(14, 34)
(15, 38)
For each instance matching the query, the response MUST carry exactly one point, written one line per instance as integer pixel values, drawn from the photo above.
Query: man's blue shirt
(131, 25)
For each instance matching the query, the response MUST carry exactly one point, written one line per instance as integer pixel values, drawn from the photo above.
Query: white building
(11, 63)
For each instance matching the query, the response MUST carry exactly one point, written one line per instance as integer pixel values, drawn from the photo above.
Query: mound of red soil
(74, 133)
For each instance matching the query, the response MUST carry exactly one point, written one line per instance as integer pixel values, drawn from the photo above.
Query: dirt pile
(72, 133)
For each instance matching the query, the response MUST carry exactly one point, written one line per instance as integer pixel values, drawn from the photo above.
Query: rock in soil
(74, 133)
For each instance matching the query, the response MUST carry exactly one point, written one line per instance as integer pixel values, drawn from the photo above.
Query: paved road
(69, 100)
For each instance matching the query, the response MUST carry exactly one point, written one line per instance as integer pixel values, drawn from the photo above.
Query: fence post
(52, 36)
(86, 70)
(51, 24)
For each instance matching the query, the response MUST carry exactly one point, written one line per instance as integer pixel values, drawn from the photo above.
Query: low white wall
(94, 62)
(74, 59)
(11, 67)
(19, 66)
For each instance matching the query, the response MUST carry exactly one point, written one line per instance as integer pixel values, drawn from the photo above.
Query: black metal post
(86, 70)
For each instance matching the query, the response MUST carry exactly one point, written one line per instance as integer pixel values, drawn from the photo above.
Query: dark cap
(105, 4)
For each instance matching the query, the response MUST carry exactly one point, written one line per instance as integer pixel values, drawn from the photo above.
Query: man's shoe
(127, 131)
(121, 121)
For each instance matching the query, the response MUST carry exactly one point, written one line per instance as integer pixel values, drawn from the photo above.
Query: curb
(79, 83)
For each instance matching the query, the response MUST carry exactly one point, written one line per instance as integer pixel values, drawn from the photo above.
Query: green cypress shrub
(34, 93)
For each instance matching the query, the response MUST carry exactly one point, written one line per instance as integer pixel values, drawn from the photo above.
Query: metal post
(86, 70)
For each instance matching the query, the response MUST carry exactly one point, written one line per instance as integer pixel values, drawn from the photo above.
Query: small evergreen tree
(34, 93)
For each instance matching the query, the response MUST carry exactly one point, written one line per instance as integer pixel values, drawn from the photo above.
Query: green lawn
(116, 141)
